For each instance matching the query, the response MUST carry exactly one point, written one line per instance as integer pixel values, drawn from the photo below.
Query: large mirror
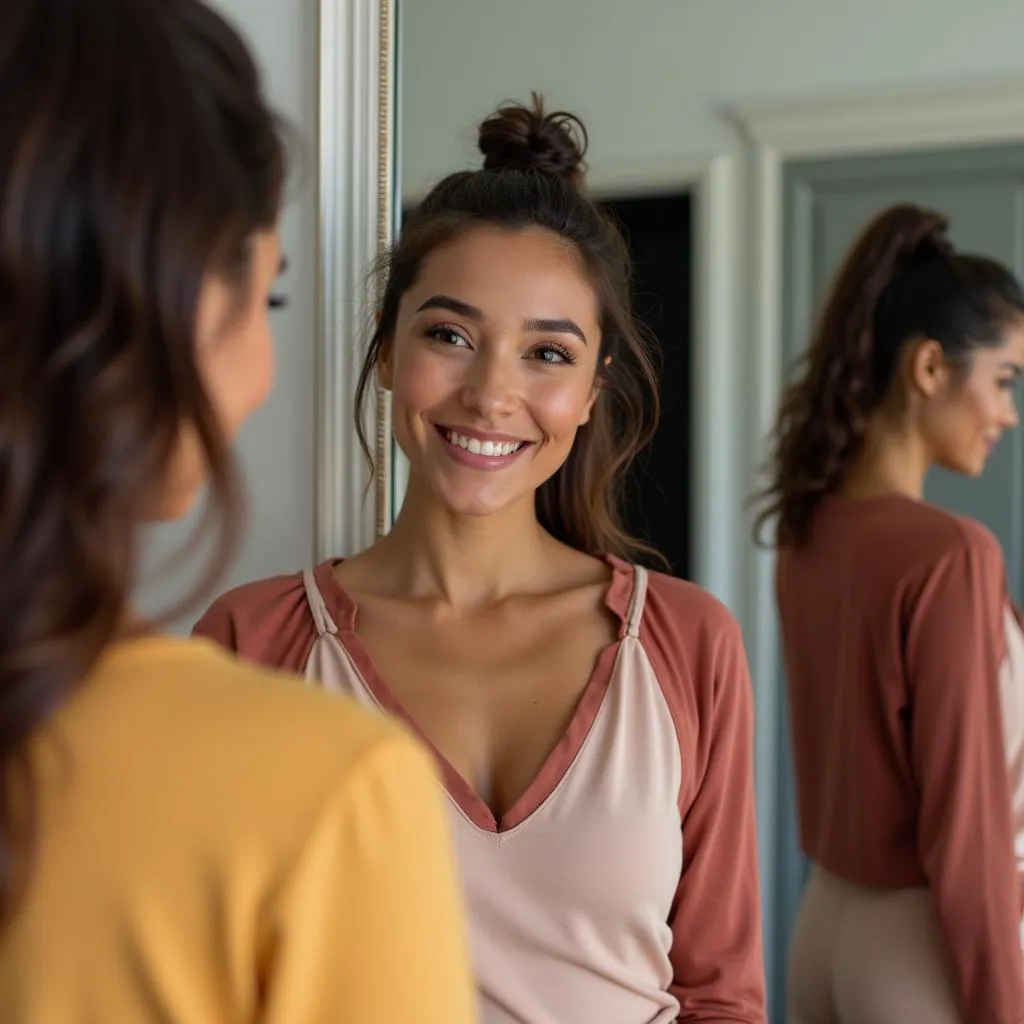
(734, 210)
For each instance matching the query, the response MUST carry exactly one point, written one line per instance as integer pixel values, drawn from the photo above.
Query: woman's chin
(474, 502)
(967, 467)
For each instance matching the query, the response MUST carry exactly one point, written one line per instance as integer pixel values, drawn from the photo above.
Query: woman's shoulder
(683, 607)
(693, 640)
(927, 541)
(227, 744)
(907, 526)
(945, 530)
(259, 700)
(268, 621)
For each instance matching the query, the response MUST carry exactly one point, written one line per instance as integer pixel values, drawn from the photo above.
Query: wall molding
(776, 133)
(919, 117)
(356, 40)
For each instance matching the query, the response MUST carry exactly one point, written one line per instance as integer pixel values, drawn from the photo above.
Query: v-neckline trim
(618, 596)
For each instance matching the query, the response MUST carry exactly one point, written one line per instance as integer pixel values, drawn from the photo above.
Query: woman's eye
(448, 336)
(553, 354)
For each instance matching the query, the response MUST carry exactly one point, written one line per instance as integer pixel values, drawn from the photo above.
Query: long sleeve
(368, 926)
(716, 953)
(965, 841)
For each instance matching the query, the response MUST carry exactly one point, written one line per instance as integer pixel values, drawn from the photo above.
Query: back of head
(533, 177)
(901, 281)
(137, 157)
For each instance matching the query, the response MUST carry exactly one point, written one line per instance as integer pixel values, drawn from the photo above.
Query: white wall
(649, 76)
(277, 445)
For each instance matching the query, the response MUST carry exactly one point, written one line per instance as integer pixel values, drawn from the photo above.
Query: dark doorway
(658, 231)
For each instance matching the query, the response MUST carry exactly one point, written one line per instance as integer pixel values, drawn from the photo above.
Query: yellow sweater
(219, 844)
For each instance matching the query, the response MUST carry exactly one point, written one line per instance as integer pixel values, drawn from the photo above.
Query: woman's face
(234, 349)
(493, 366)
(964, 419)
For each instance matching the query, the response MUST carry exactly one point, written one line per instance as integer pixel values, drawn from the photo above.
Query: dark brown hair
(136, 155)
(901, 281)
(533, 176)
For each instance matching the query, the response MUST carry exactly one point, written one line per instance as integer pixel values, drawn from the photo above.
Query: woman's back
(893, 618)
(885, 593)
(216, 842)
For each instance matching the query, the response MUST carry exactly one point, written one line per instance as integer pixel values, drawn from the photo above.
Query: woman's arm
(697, 651)
(955, 644)
(717, 956)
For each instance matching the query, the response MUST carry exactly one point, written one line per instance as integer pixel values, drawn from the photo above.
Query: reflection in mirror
(732, 250)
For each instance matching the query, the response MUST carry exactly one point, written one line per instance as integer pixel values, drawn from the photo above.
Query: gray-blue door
(826, 205)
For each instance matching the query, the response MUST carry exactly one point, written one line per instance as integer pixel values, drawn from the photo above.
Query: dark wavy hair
(533, 176)
(901, 281)
(136, 156)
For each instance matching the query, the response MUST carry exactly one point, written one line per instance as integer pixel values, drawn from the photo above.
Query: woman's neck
(891, 461)
(464, 561)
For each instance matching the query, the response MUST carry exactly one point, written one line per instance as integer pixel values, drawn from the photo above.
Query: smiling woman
(472, 372)
(521, 214)
(592, 720)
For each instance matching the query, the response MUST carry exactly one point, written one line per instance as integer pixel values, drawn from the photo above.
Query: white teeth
(492, 449)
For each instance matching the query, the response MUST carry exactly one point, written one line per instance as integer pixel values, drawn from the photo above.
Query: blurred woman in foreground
(181, 837)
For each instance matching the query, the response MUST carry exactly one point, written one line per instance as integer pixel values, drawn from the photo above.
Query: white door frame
(712, 181)
(777, 133)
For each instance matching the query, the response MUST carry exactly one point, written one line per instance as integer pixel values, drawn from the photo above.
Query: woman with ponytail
(904, 657)
(182, 837)
(592, 720)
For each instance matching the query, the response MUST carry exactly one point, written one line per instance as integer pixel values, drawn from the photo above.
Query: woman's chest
(494, 696)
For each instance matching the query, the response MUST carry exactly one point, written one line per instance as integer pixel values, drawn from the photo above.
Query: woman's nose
(491, 387)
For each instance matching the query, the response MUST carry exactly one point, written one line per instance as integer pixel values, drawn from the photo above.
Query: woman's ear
(386, 366)
(928, 368)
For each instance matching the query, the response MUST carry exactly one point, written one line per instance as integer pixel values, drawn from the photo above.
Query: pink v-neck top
(621, 888)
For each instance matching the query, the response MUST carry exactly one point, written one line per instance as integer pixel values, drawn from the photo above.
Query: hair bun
(522, 138)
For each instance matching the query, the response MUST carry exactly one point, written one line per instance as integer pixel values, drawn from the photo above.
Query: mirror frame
(356, 190)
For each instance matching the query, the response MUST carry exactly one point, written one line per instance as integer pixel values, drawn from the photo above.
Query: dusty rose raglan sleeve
(267, 622)
(954, 647)
(717, 957)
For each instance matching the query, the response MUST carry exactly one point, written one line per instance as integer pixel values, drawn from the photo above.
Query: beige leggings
(867, 956)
